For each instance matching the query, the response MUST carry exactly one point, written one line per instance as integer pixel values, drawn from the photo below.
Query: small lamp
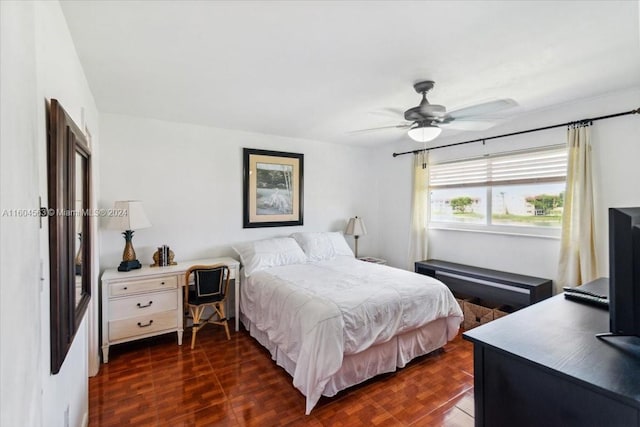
(132, 218)
(356, 228)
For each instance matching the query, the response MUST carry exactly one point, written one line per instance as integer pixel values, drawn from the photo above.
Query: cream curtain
(577, 249)
(418, 231)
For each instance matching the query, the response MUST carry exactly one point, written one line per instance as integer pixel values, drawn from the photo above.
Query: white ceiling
(319, 70)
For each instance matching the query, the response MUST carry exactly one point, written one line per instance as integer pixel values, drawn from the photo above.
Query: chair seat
(195, 300)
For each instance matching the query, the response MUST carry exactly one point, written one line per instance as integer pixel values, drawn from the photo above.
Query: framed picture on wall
(272, 188)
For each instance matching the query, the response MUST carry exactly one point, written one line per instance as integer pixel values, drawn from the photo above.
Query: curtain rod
(610, 116)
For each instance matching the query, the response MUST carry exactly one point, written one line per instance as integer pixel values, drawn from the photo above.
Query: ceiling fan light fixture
(424, 133)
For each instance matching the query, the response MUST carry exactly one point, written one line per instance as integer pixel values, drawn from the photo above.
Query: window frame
(488, 226)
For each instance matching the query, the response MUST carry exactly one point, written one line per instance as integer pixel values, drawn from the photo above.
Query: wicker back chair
(209, 288)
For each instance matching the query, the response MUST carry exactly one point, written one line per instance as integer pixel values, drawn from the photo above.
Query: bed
(333, 321)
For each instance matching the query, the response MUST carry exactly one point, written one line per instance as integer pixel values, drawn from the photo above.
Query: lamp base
(129, 265)
(356, 238)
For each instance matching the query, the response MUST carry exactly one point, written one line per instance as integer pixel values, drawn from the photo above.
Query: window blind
(509, 169)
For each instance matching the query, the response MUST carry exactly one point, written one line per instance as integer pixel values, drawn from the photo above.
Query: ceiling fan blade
(482, 109)
(389, 112)
(468, 125)
(398, 126)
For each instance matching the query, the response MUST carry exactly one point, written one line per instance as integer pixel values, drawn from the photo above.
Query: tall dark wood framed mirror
(69, 194)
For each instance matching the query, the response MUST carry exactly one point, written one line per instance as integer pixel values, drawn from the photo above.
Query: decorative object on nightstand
(373, 260)
(135, 219)
(356, 228)
(163, 257)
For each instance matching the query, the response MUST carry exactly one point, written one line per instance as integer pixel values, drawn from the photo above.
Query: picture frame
(273, 184)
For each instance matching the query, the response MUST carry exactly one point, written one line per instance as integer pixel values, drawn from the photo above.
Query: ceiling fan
(425, 121)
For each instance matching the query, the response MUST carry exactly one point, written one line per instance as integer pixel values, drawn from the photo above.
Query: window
(502, 192)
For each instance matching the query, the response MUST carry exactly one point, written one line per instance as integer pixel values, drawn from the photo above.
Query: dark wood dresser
(544, 366)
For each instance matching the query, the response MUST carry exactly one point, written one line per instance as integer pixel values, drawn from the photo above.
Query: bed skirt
(378, 359)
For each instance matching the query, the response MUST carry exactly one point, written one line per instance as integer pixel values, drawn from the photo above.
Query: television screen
(624, 271)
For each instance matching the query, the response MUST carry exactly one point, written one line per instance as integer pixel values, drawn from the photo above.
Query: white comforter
(316, 312)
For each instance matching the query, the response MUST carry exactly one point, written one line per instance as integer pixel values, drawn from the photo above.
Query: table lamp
(130, 217)
(356, 228)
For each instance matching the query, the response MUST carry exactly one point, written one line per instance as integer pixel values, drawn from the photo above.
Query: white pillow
(340, 245)
(322, 246)
(317, 246)
(262, 254)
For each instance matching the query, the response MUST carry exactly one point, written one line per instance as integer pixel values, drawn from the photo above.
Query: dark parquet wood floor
(155, 382)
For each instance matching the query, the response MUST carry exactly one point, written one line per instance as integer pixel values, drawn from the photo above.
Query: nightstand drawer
(137, 286)
(141, 325)
(138, 305)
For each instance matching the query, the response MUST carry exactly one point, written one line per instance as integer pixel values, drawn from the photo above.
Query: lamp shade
(356, 227)
(424, 133)
(129, 215)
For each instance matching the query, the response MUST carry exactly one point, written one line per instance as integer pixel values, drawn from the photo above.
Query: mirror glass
(79, 229)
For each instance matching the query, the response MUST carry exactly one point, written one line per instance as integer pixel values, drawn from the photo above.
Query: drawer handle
(162, 283)
(144, 326)
(125, 288)
(144, 306)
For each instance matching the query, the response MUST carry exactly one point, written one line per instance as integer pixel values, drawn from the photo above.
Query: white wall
(60, 76)
(189, 179)
(39, 62)
(616, 150)
(20, 354)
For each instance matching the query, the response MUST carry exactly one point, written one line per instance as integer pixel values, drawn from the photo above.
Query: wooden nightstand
(373, 260)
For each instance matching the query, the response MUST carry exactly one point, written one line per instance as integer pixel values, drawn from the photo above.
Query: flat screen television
(624, 271)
